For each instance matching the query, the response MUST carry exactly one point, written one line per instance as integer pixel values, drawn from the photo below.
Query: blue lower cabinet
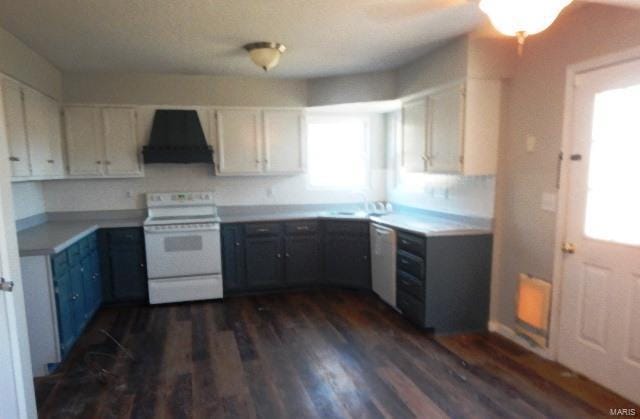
(78, 289)
(77, 298)
(64, 305)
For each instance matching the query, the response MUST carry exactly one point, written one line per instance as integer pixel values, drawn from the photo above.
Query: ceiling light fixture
(265, 55)
(521, 18)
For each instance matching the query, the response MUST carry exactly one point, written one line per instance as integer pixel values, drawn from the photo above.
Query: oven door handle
(180, 231)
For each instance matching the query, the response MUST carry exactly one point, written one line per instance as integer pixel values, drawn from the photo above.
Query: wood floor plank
(308, 354)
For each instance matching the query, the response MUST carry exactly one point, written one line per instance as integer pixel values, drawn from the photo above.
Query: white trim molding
(509, 333)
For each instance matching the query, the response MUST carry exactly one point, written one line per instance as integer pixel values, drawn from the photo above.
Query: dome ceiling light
(265, 55)
(521, 18)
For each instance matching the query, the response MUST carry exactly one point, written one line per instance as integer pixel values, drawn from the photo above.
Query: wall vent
(533, 307)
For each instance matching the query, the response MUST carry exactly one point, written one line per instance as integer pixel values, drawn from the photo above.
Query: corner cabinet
(102, 142)
(259, 142)
(453, 129)
(33, 132)
(64, 292)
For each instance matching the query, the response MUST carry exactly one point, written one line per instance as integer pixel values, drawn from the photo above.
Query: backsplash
(118, 194)
(461, 195)
(28, 199)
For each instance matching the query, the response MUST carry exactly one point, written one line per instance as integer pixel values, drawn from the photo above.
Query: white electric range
(182, 240)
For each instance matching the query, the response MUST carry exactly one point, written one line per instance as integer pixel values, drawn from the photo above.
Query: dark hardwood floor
(305, 354)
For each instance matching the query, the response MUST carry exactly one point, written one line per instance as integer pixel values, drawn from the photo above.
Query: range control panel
(180, 199)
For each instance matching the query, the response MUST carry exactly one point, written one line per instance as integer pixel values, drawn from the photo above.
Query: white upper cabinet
(453, 130)
(83, 140)
(122, 155)
(414, 131)
(259, 142)
(284, 151)
(444, 136)
(102, 142)
(239, 134)
(54, 121)
(34, 133)
(16, 129)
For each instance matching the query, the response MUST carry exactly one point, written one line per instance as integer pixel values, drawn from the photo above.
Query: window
(613, 202)
(338, 152)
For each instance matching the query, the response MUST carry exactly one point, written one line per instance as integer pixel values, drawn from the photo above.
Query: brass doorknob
(568, 248)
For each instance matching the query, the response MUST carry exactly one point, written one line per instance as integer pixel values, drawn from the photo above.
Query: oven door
(182, 252)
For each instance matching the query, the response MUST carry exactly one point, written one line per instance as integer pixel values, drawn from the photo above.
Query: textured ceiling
(324, 37)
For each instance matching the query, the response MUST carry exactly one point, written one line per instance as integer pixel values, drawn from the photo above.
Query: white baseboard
(509, 333)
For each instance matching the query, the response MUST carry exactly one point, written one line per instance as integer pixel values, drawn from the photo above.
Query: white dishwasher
(383, 263)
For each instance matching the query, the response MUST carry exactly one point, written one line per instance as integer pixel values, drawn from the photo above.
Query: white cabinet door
(122, 156)
(16, 129)
(84, 142)
(56, 163)
(239, 141)
(414, 132)
(283, 141)
(446, 116)
(38, 133)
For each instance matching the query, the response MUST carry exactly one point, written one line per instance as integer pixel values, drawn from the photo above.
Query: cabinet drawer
(59, 263)
(410, 285)
(125, 236)
(301, 227)
(410, 307)
(263, 229)
(411, 244)
(348, 227)
(73, 254)
(410, 264)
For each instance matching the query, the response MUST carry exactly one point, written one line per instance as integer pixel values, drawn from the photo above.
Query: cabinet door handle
(263, 230)
(107, 162)
(74, 297)
(142, 265)
(287, 255)
(51, 161)
(98, 162)
(237, 244)
(302, 228)
(14, 159)
(365, 257)
(279, 256)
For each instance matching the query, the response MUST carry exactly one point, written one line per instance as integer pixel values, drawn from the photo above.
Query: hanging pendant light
(265, 55)
(521, 18)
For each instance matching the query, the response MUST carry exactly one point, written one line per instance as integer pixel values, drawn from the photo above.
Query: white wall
(86, 195)
(525, 233)
(367, 87)
(28, 199)
(22, 63)
(167, 89)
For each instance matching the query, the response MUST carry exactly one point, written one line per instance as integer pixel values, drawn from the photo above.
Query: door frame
(573, 73)
(14, 304)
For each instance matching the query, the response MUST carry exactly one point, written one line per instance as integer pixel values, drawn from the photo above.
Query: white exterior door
(283, 140)
(84, 141)
(239, 141)
(122, 156)
(446, 115)
(599, 332)
(17, 397)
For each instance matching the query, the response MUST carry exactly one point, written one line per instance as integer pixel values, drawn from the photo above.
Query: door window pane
(613, 198)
